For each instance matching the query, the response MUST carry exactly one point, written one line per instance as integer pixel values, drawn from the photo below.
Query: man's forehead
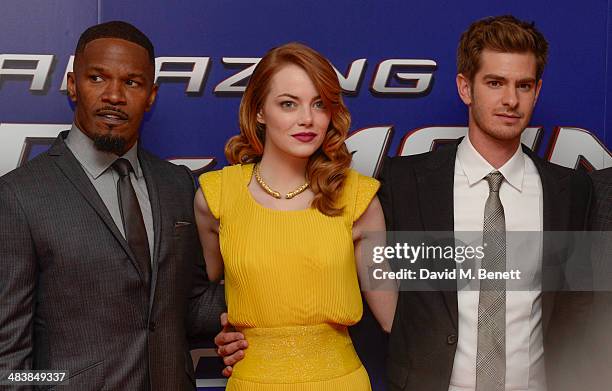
(516, 64)
(105, 43)
(102, 53)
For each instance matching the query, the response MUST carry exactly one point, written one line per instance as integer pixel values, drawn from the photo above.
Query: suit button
(152, 326)
(451, 339)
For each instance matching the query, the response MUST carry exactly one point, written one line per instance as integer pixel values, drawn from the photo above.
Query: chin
(110, 143)
(300, 153)
(505, 134)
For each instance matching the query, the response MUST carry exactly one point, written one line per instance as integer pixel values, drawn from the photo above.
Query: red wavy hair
(327, 167)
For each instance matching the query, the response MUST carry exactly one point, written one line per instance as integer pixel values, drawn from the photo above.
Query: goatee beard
(110, 143)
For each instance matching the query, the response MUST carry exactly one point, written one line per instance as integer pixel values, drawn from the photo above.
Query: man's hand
(230, 345)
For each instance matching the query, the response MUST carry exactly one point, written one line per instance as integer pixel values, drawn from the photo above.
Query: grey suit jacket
(71, 292)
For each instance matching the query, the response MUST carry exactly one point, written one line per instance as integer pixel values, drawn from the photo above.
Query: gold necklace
(275, 193)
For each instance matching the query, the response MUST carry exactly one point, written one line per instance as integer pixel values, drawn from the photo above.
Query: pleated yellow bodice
(290, 284)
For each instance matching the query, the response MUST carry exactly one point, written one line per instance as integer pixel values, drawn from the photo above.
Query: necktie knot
(494, 180)
(123, 167)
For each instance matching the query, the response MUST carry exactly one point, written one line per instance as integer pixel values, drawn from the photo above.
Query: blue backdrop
(572, 111)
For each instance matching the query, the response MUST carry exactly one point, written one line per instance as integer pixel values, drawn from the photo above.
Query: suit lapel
(153, 191)
(73, 171)
(554, 195)
(435, 181)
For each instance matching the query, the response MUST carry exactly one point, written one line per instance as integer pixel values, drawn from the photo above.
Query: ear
(152, 97)
(464, 89)
(71, 84)
(260, 116)
(537, 91)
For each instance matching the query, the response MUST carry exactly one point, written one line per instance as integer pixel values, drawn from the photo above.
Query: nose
(305, 116)
(114, 93)
(510, 97)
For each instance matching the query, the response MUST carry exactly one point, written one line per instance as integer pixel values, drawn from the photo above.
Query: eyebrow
(287, 95)
(101, 69)
(97, 68)
(295, 97)
(493, 76)
(135, 75)
(527, 80)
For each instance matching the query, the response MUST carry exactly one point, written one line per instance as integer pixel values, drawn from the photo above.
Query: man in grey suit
(101, 270)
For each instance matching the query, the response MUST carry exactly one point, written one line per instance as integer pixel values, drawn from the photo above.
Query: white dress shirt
(521, 197)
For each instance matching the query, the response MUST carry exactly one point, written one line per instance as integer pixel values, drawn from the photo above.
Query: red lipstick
(305, 137)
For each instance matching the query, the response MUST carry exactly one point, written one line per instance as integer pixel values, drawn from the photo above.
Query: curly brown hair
(327, 167)
(501, 34)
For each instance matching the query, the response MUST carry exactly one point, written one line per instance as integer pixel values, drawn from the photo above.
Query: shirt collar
(475, 167)
(94, 161)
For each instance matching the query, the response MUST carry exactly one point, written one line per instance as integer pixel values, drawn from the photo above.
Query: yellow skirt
(300, 358)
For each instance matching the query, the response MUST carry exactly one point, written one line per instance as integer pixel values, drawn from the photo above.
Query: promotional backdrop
(395, 59)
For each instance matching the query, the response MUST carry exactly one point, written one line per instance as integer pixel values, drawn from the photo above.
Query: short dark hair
(116, 29)
(501, 34)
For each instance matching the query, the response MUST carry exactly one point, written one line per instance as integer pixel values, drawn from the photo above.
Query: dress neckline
(247, 174)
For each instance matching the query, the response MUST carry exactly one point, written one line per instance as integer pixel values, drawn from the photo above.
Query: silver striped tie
(491, 353)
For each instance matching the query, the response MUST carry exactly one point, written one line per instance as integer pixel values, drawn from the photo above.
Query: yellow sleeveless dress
(290, 286)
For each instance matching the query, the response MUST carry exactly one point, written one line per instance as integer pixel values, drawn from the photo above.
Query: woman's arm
(230, 344)
(369, 231)
(208, 231)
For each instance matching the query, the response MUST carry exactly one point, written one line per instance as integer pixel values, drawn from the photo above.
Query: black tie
(133, 223)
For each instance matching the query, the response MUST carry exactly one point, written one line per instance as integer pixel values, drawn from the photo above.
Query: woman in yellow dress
(284, 224)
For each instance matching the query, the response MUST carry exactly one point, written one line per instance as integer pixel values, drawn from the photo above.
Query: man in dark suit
(461, 339)
(101, 270)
